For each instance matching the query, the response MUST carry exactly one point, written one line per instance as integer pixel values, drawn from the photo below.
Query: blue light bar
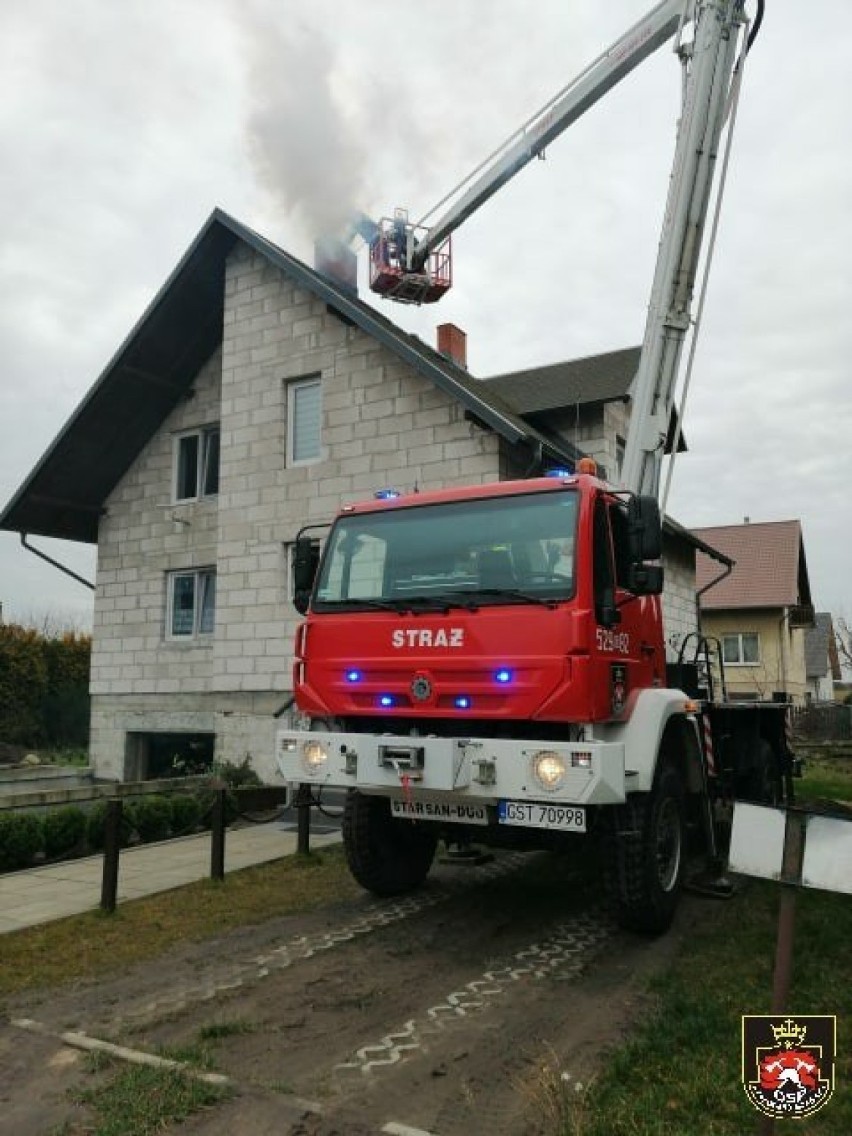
(462, 702)
(559, 473)
(385, 494)
(504, 675)
(354, 676)
(386, 700)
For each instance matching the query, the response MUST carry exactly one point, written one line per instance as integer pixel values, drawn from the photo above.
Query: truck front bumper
(482, 770)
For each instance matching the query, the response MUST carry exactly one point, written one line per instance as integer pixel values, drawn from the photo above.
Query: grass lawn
(141, 1101)
(679, 1074)
(826, 778)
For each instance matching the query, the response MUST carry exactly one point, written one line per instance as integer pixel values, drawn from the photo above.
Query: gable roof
(154, 367)
(595, 378)
(536, 392)
(770, 568)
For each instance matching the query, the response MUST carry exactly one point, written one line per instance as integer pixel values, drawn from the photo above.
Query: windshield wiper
(413, 604)
(364, 601)
(427, 603)
(515, 595)
(468, 599)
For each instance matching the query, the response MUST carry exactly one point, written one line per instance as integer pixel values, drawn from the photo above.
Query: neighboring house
(586, 401)
(822, 665)
(761, 610)
(254, 396)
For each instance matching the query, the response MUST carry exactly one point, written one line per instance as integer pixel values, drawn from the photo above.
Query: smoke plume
(304, 138)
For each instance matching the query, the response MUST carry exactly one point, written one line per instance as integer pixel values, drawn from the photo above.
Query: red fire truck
(487, 663)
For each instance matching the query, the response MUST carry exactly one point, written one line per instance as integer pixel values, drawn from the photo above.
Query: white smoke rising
(332, 125)
(303, 136)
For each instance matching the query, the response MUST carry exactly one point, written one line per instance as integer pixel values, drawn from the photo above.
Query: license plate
(532, 814)
(440, 810)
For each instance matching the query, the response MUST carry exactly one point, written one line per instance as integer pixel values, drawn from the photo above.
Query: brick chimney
(452, 341)
(337, 262)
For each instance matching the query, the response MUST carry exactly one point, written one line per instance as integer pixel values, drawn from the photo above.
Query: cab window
(620, 544)
(602, 556)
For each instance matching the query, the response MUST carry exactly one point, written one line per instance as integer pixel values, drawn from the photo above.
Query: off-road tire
(386, 855)
(646, 850)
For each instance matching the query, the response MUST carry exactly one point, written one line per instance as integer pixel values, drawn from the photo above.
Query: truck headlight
(314, 756)
(548, 768)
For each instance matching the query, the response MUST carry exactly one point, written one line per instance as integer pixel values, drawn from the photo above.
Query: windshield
(471, 553)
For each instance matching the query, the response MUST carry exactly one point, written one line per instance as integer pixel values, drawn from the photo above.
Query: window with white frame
(304, 421)
(191, 604)
(741, 649)
(196, 464)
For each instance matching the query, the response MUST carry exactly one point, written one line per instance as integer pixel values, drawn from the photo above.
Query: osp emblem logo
(421, 688)
(788, 1064)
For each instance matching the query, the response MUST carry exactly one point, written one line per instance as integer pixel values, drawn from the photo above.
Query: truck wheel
(646, 855)
(387, 856)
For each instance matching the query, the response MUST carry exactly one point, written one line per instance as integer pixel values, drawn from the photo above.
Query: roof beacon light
(561, 472)
(587, 465)
(385, 494)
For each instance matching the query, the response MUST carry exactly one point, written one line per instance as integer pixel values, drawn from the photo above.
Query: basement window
(149, 756)
(196, 464)
(741, 649)
(304, 421)
(191, 604)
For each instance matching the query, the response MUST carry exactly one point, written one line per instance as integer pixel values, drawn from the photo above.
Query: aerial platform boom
(413, 263)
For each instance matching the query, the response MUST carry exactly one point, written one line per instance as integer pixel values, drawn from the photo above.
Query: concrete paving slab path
(56, 891)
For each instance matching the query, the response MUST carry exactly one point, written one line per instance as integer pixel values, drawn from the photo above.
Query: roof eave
(672, 526)
(63, 526)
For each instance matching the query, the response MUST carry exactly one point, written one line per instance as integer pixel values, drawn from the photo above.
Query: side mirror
(305, 564)
(645, 580)
(644, 529)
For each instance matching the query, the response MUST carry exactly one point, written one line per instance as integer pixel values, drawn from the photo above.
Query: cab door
(625, 648)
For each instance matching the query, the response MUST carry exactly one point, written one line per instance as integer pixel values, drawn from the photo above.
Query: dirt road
(475, 1006)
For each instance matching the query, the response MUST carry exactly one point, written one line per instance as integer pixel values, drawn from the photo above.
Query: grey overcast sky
(123, 124)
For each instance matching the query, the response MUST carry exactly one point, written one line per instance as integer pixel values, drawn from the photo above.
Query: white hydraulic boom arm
(640, 41)
(709, 67)
(708, 60)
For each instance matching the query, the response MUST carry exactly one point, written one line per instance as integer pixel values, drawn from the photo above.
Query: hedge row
(44, 687)
(26, 838)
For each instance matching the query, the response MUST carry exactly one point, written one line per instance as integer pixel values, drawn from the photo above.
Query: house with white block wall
(255, 396)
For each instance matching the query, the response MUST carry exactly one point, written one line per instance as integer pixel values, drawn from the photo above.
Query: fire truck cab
(488, 662)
